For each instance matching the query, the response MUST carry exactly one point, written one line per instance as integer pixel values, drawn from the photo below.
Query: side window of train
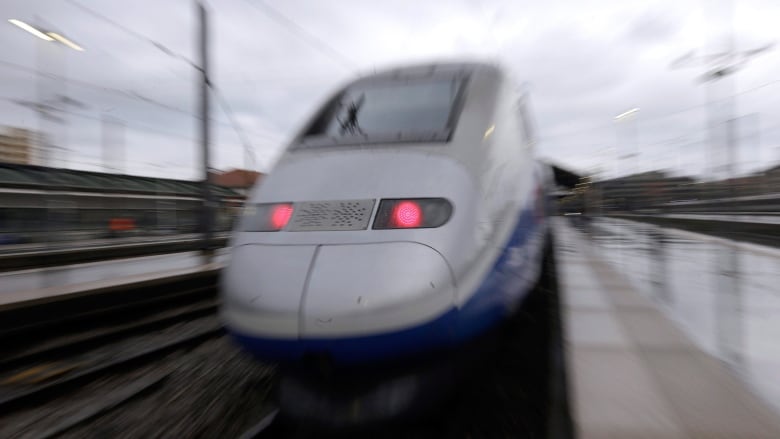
(520, 125)
(526, 129)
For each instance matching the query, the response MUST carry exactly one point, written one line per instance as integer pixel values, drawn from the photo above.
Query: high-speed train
(408, 216)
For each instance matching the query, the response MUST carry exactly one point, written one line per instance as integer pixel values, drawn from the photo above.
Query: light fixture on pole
(46, 107)
(630, 138)
(65, 41)
(721, 101)
(30, 29)
(627, 113)
(46, 35)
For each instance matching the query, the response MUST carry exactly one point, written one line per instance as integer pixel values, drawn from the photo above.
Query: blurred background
(108, 94)
(147, 123)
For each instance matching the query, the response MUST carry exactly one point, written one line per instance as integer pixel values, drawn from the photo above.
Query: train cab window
(525, 123)
(389, 111)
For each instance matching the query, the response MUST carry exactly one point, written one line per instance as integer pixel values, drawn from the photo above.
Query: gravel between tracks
(212, 391)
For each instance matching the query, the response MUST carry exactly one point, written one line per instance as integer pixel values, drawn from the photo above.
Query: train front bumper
(348, 303)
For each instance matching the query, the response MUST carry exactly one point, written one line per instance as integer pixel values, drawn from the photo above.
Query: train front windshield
(390, 111)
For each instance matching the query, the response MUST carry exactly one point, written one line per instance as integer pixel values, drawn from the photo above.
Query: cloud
(653, 27)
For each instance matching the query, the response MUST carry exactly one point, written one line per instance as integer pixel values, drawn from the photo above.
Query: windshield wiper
(351, 125)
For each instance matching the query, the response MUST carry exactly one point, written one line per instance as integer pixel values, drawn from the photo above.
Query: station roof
(39, 177)
(564, 177)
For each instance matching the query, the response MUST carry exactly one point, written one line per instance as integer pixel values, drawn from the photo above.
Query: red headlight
(280, 215)
(266, 217)
(413, 213)
(406, 214)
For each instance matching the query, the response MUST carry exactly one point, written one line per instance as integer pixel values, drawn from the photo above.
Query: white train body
(407, 216)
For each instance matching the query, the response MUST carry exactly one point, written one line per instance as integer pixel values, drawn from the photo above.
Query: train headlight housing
(267, 217)
(412, 213)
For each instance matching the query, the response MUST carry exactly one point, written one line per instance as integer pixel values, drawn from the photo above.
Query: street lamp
(631, 137)
(43, 108)
(46, 109)
(721, 100)
(627, 113)
(46, 35)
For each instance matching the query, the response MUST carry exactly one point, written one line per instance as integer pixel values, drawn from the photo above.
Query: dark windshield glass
(397, 110)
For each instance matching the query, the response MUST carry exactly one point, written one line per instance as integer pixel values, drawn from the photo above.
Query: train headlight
(280, 215)
(268, 217)
(406, 214)
(412, 213)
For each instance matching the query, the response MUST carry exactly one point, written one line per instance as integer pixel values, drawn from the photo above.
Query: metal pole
(206, 221)
(43, 143)
(105, 132)
(43, 150)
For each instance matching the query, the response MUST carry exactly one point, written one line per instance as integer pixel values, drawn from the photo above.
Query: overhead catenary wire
(128, 94)
(313, 40)
(133, 125)
(131, 94)
(325, 48)
(160, 46)
(660, 116)
(242, 137)
(232, 122)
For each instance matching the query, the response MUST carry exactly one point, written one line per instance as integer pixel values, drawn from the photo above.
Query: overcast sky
(584, 62)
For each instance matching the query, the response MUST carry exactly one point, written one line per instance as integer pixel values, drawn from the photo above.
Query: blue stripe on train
(505, 285)
(351, 350)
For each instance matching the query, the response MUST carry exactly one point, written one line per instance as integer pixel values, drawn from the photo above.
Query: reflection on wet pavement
(725, 295)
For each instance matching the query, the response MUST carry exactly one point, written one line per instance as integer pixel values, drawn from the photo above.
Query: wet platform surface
(753, 218)
(633, 369)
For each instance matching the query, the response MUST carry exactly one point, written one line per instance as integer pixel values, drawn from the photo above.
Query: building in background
(39, 204)
(239, 180)
(17, 145)
(644, 190)
(659, 192)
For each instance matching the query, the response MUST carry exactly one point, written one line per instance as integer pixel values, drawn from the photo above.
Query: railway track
(122, 396)
(22, 328)
(33, 384)
(264, 428)
(49, 354)
(57, 348)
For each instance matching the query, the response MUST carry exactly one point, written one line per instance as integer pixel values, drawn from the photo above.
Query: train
(406, 218)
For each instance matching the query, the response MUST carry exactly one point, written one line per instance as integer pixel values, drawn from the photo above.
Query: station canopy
(44, 178)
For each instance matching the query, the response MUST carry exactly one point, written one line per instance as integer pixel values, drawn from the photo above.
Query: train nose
(263, 286)
(371, 288)
(351, 303)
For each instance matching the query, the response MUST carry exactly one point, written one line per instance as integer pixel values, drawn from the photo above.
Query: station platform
(42, 285)
(755, 218)
(58, 253)
(631, 371)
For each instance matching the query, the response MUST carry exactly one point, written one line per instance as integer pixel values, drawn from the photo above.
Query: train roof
(433, 69)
